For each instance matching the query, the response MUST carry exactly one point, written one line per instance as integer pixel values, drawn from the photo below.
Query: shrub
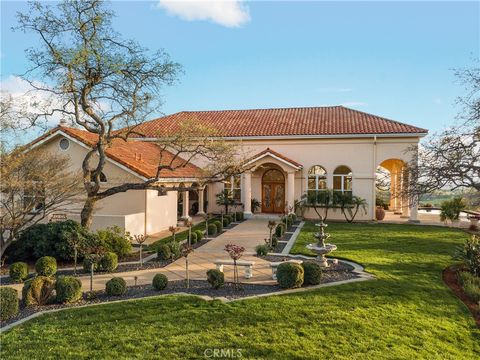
(279, 230)
(469, 254)
(38, 290)
(18, 271)
(109, 262)
(262, 250)
(212, 229)
(219, 226)
(175, 249)
(199, 235)
(216, 278)
(159, 282)
(9, 304)
(289, 275)
(239, 216)
(312, 273)
(193, 238)
(473, 291)
(46, 266)
(69, 289)
(226, 221)
(116, 286)
(274, 241)
(115, 239)
(88, 261)
(164, 252)
(450, 209)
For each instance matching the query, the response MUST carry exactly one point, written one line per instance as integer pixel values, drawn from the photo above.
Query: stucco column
(186, 205)
(413, 211)
(291, 190)
(247, 183)
(405, 204)
(201, 192)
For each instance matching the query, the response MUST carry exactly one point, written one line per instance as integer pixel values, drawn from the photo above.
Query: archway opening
(391, 183)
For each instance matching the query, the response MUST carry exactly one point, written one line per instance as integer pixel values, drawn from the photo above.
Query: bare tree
(104, 83)
(34, 185)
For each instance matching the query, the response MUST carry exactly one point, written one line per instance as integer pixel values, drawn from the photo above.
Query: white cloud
(229, 13)
(354, 103)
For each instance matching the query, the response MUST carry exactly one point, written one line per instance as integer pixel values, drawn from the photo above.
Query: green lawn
(407, 313)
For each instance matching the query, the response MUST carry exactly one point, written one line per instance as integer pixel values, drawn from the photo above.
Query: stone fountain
(320, 248)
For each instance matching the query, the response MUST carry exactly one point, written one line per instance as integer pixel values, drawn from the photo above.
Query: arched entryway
(273, 191)
(391, 184)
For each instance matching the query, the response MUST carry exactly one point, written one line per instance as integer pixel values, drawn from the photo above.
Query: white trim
(167, 180)
(78, 142)
(289, 137)
(268, 153)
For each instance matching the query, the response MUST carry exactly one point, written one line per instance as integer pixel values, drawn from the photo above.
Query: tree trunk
(86, 215)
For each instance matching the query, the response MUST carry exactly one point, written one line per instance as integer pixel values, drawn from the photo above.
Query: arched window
(103, 178)
(317, 179)
(342, 180)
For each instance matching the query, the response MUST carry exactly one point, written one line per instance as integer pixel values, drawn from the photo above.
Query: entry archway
(391, 184)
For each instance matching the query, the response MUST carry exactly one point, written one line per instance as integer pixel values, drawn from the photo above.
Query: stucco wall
(161, 211)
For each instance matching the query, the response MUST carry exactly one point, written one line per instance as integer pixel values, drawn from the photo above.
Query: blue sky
(393, 59)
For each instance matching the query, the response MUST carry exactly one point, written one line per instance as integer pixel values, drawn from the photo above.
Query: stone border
(293, 238)
(358, 270)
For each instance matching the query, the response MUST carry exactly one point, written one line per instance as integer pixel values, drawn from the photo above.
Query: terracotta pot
(380, 213)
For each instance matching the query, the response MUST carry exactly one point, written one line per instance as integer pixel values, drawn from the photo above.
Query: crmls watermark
(223, 353)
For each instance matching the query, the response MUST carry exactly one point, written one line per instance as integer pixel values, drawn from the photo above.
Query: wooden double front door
(273, 192)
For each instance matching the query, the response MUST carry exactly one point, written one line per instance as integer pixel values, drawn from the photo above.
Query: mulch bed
(279, 248)
(450, 279)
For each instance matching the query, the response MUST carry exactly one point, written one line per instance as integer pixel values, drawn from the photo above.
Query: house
(293, 150)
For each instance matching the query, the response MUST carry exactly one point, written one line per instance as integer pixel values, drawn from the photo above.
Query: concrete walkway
(248, 234)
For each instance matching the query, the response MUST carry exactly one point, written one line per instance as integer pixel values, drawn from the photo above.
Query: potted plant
(255, 205)
(379, 213)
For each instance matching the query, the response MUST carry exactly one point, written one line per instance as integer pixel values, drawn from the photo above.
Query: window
(342, 180)
(103, 178)
(64, 144)
(34, 198)
(233, 184)
(317, 179)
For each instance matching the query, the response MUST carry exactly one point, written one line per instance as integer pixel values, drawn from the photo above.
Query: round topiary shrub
(116, 286)
(159, 282)
(38, 291)
(290, 275)
(279, 230)
(69, 289)
(193, 238)
(87, 263)
(46, 266)
(9, 303)
(239, 216)
(212, 229)
(312, 273)
(216, 278)
(18, 271)
(199, 235)
(109, 262)
(262, 250)
(164, 252)
(219, 226)
(226, 221)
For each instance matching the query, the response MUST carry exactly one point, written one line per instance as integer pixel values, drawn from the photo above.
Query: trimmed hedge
(69, 289)
(109, 262)
(199, 235)
(312, 273)
(9, 304)
(193, 238)
(46, 266)
(164, 252)
(219, 226)
(87, 264)
(159, 282)
(280, 230)
(38, 291)
(116, 286)
(290, 275)
(18, 271)
(216, 278)
(212, 229)
(226, 221)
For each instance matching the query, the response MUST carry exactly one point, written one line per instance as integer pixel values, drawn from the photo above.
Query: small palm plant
(235, 253)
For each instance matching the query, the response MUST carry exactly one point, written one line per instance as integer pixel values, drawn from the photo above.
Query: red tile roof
(274, 153)
(332, 120)
(139, 156)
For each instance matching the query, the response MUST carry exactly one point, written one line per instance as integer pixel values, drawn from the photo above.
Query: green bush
(450, 209)
(216, 278)
(290, 275)
(279, 230)
(164, 252)
(239, 216)
(18, 271)
(38, 291)
(229, 217)
(274, 241)
(212, 230)
(175, 249)
(226, 221)
(199, 235)
(88, 261)
(109, 262)
(115, 239)
(68, 289)
(50, 239)
(193, 238)
(312, 273)
(219, 226)
(116, 286)
(9, 304)
(46, 266)
(262, 250)
(159, 282)
(469, 254)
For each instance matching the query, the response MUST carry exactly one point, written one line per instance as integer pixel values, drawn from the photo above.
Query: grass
(406, 313)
